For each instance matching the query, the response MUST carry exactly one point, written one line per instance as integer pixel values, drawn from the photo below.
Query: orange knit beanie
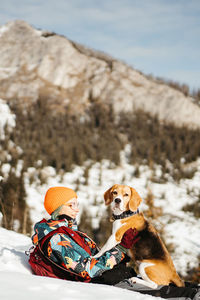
(57, 196)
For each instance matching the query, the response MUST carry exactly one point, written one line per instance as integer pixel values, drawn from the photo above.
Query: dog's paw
(150, 284)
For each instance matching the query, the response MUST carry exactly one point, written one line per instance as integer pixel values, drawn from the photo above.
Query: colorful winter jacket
(68, 253)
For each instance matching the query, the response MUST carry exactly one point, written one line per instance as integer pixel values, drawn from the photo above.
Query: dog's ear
(107, 196)
(135, 200)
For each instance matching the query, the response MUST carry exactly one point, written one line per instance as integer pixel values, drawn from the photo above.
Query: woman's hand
(129, 238)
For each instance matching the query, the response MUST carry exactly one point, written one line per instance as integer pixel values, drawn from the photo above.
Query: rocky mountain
(36, 63)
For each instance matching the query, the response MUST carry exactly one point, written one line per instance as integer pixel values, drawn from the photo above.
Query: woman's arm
(64, 251)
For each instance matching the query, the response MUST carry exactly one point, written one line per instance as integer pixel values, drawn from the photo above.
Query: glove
(129, 238)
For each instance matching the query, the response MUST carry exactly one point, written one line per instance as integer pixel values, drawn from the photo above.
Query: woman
(73, 251)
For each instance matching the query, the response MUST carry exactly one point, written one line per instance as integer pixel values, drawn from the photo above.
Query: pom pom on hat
(57, 196)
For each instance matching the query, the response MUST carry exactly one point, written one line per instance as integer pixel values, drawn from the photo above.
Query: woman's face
(70, 208)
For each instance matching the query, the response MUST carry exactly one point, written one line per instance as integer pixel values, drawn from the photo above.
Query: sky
(158, 37)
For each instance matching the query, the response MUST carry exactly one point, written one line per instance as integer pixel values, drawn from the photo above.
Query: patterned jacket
(67, 252)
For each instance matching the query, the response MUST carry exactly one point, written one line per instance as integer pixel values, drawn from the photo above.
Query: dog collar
(125, 214)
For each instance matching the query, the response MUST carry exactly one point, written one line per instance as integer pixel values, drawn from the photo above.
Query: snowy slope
(17, 281)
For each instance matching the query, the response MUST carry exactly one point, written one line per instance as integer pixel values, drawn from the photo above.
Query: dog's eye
(126, 195)
(114, 193)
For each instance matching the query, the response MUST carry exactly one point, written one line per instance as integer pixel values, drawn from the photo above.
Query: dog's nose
(117, 200)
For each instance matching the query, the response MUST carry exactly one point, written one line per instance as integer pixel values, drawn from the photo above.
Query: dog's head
(122, 198)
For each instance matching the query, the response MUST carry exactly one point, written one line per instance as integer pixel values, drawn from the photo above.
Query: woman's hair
(55, 214)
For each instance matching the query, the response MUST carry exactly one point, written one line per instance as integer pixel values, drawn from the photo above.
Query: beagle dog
(154, 263)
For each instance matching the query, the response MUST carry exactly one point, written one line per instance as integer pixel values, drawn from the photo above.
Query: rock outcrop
(36, 63)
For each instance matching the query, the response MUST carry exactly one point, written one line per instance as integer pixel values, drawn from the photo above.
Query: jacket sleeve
(67, 253)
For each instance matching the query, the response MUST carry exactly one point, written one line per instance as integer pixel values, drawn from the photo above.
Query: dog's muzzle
(117, 205)
(118, 200)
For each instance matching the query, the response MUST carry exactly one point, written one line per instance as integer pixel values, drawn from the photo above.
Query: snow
(6, 117)
(18, 282)
(4, 28)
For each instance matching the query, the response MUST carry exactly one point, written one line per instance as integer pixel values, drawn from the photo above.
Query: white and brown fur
(155, 265)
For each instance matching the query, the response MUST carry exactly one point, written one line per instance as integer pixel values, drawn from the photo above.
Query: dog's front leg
(111, 242)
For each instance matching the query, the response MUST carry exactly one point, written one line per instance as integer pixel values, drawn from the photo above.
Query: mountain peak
(37, 63)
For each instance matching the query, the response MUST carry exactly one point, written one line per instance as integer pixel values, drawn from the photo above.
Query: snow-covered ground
(17, 281)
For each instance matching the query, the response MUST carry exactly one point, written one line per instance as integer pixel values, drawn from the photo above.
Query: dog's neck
(125, 214)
